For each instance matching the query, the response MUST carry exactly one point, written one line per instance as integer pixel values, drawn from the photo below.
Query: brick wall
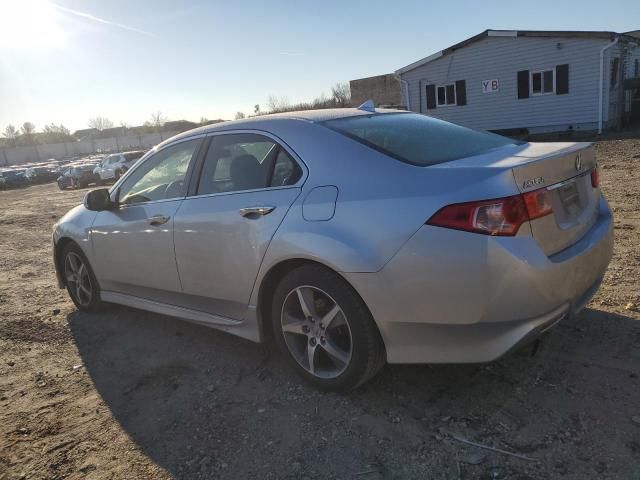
(382, 89)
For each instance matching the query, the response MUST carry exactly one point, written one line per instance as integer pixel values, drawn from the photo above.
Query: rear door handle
(253, 212)
(158, 220)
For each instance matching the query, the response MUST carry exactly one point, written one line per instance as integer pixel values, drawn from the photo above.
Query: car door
(133, 244)
(246, 184)
(110, 169)
(103, 169)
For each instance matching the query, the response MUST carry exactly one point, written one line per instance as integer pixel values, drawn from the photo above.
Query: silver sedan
(353, 237)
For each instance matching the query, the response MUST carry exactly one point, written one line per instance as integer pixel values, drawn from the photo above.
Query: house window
(446, 94)
(543, 82)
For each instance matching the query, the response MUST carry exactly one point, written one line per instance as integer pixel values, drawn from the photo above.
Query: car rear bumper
(105, 175)
(454, 297)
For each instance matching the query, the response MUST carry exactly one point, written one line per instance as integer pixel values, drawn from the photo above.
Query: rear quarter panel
(381, 201)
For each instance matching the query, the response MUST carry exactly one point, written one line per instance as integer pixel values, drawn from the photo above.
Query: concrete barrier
(39, 153)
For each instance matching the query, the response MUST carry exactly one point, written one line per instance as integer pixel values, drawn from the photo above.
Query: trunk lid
(553, 166)
(564, 169)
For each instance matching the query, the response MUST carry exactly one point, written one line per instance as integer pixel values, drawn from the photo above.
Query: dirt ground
(129, 394)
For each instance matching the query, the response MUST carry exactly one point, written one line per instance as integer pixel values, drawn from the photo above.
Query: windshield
(417, 139)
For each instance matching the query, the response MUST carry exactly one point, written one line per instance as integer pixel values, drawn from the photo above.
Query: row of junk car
(96, 169)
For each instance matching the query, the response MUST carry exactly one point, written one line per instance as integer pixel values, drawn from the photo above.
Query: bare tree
(322, 101)
(28, 129)
(341, 93)
(204, 120)
(100, 123)
(11, 133)
(157, 119)
(277, 104)
(58, 129)
(53, 133)
(240, 115)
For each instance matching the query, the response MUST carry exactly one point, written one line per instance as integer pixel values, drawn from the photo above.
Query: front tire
(325, 330)
(80, 280)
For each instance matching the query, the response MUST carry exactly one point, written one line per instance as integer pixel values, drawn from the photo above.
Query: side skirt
(236, 327)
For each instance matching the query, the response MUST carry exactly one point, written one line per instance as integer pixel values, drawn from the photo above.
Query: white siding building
(529, 81)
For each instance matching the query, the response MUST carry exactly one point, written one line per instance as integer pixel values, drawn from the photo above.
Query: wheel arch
(270, 282)
(58, 248)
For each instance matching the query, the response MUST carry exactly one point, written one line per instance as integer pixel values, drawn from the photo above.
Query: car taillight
(538, 203)
(501, 216)
(595, 178)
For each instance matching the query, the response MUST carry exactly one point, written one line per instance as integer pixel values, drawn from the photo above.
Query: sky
(66, 61)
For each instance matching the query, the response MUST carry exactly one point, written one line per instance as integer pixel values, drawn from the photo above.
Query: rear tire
(82, 285)
(332, 340)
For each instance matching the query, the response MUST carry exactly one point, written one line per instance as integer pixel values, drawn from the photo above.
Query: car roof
(261, 121)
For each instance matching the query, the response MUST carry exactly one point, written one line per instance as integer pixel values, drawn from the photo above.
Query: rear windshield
(417, 139)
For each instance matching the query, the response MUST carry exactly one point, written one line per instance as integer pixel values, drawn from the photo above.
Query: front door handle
(158, 220)
(253, 212)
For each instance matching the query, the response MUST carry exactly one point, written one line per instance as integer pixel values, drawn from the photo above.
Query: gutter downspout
(406, 89)
(601, 93)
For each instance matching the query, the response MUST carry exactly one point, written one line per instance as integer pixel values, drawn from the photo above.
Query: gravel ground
(129, 394)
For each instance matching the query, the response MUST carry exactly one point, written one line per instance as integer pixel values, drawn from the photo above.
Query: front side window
(446, 94)
(542, 82)
(245, 161)
(417, 139)
(162, 176)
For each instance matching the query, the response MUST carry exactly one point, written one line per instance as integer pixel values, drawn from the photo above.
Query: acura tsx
(354, 237)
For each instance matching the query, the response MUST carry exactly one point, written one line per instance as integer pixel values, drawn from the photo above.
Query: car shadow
(201, 402)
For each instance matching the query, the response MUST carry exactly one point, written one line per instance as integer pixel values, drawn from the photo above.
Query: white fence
(37, 153)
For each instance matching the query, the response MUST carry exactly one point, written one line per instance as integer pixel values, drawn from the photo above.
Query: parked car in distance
(353, 237)
(79, 176)
(15, 177)
(113, 166)
(42, 174)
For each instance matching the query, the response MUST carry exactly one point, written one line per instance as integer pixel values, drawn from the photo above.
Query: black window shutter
(523, 84)
(431, 96)
(461, 92)
(562, 79)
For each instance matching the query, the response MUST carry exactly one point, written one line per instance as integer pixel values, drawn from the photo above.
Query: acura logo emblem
(578, 162)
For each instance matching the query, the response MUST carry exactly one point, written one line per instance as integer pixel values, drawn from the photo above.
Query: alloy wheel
(78, 280)
(316, 332)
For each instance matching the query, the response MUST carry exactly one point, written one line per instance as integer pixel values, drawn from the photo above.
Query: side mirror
(98, 200)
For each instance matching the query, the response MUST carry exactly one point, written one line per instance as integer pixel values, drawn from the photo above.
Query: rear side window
(417, 139)
(246, 161)
(236, 162)
(285, 171)
(132, 156)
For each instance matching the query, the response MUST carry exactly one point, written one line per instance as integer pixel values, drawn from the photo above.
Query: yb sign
(490, 86)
